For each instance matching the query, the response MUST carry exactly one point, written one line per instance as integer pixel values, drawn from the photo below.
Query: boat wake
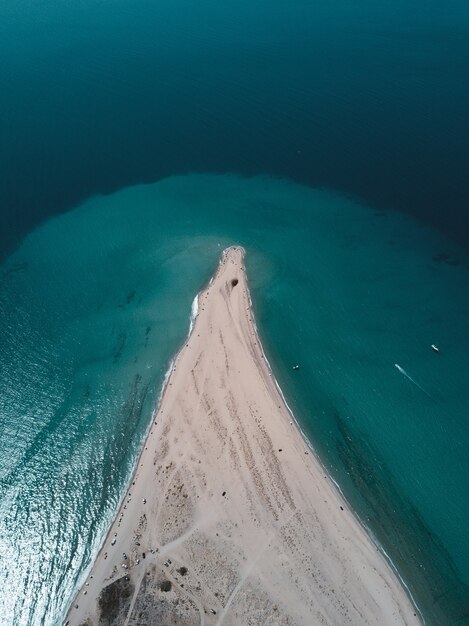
(414, 382)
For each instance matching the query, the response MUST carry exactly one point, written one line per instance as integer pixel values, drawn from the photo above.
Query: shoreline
(310, 445)
(90, 612)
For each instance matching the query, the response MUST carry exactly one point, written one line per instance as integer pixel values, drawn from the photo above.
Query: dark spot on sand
(115, 598)
(166, 585)
(234, 282)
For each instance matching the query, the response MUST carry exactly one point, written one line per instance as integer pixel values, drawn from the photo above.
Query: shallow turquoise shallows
(95, 302)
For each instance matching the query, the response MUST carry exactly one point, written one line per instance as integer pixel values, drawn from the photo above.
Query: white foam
(194, 313)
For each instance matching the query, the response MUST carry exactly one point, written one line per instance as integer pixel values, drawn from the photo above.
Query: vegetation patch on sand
(114, 601)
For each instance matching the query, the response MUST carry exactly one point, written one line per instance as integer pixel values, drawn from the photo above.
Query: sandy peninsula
(230, 518)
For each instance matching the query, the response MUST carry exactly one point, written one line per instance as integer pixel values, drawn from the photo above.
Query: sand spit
(229, 518)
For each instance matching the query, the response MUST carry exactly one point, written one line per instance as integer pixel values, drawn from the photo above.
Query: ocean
(139, 140)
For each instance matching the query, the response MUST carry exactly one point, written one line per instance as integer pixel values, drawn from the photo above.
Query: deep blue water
(366, 97)
(366, 100)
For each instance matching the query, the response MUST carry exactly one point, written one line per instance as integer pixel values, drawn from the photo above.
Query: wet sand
(230, 518)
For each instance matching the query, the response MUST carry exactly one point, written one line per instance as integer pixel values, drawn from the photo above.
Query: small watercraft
(435, 348)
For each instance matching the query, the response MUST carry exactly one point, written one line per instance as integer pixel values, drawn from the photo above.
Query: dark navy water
(331, 139)
(369, 98)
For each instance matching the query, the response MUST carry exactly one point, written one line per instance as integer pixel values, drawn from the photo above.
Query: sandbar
(230, 518)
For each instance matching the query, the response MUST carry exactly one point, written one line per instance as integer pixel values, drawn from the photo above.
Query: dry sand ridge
(230, 518)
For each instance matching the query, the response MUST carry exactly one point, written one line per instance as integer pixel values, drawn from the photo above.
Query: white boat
(435, 348)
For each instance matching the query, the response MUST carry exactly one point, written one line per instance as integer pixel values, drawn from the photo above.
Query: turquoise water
(94, 303)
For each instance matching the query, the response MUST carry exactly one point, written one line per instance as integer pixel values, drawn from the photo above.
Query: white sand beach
(230, 518)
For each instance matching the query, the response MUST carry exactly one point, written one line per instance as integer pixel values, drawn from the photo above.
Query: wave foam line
(194, 313)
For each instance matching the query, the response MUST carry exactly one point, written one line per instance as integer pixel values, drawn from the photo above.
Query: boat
(435, 348)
